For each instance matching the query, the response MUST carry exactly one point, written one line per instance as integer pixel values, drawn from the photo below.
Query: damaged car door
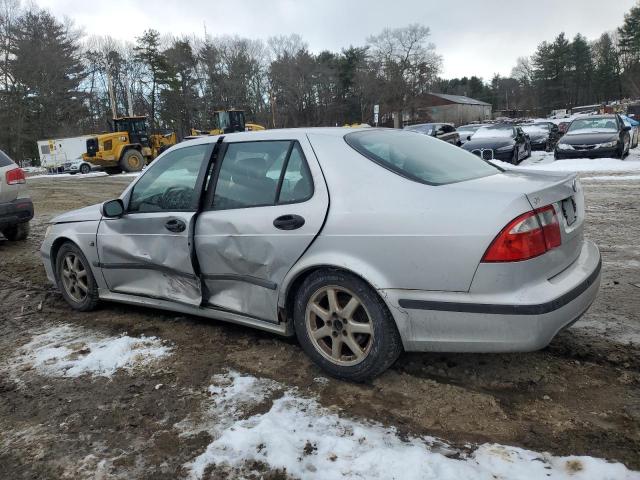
(148, 250)
(268, 203)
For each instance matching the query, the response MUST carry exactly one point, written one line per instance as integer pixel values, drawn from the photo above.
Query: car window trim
(206, 160)
(208, 204)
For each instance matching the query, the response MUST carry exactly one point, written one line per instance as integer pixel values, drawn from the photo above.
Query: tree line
(55, 81)
(564, 73)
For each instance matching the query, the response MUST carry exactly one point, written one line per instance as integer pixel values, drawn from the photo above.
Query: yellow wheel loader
(228, 121)
(129, 147)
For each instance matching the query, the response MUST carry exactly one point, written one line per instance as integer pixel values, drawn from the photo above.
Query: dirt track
(579, 396)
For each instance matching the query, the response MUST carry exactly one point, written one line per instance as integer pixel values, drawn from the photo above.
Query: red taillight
(527, 236)
(15, 176)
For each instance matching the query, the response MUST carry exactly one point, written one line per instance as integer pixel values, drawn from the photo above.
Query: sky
(474, 37)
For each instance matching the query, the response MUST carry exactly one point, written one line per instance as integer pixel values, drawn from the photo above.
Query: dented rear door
(258, 222)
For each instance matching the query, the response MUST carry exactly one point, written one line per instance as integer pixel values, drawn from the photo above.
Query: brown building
(442, 108)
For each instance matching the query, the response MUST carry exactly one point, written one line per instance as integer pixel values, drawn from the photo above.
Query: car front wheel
(75, 279)
(344, 326)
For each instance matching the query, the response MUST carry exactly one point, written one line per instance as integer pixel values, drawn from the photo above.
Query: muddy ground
(581, 395)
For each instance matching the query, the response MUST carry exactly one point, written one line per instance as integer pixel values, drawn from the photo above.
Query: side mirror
(113, 208)
(626, 128)
(468, 138)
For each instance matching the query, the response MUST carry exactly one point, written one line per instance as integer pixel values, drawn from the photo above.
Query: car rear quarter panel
(397, 233)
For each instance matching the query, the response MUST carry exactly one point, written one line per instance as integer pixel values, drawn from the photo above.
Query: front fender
(83, 234)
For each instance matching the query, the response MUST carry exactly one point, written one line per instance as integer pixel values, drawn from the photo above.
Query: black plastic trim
(143, 266)
(497, 309)
(243, 278)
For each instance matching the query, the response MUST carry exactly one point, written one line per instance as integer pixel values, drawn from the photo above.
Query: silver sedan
(362, 242)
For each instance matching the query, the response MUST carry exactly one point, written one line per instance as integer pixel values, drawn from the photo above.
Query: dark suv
(16, 208)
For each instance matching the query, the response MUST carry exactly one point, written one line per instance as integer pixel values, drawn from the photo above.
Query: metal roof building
(456, 109)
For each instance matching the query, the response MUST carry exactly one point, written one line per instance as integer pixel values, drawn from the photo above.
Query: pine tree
(148, 53)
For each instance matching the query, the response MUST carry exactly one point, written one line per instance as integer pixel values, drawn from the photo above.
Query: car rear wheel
(17, 232)
(85, 168)
(75, 279)
(344, 326)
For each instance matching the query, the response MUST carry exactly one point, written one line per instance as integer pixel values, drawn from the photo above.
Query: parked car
(78, 166)
(635, 129)
(595, 136)
(443, 131)
(563, 127)
(501, 141)
(453, 254)
(16, 208)
(466, 131)
(554, 131)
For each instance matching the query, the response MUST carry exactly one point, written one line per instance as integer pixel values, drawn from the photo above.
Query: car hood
(85, 214)
(588, 138)
(492, 143)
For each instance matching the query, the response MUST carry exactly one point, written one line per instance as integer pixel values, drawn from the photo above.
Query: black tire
(90, 299)
(515, 160)
(620, 152)
(132, 161)
(17, 232)
(85, 168)
(385, 344)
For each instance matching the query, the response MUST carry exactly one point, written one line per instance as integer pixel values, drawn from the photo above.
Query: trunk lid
(560, 189)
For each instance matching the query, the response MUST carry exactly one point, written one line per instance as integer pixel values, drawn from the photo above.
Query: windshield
(535, 129)
(593, 125)
(494, 132)
(419, 157)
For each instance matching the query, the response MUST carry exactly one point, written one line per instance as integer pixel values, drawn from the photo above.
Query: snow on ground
(545, 161)
(606, 178)
(66, 176)
(310, 441)
(68, 351)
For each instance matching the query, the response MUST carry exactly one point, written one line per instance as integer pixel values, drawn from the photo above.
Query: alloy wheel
(74, 277)
(339, 325)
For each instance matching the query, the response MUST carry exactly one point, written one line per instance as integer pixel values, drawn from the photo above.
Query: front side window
(255, 174)
(170, 184)
(419, 157)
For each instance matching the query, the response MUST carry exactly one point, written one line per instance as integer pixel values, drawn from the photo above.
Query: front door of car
(148, 250)
(268, 203)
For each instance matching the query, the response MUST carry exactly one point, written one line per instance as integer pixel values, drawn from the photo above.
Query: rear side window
(258, 174)
(4, 159)
(419, 157)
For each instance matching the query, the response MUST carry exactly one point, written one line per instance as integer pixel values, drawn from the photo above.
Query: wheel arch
(55, 248)
(292, 286)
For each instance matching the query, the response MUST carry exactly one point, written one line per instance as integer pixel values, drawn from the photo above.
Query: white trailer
(55, 152)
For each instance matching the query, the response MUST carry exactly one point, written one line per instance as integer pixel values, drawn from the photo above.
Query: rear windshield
(4, 159)
(419, 157)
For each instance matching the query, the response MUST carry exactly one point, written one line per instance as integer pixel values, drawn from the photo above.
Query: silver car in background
(16, 208)
(362, 242)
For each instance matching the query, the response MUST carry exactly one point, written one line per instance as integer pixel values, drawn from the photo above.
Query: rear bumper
(464, 322)
(16, 211)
